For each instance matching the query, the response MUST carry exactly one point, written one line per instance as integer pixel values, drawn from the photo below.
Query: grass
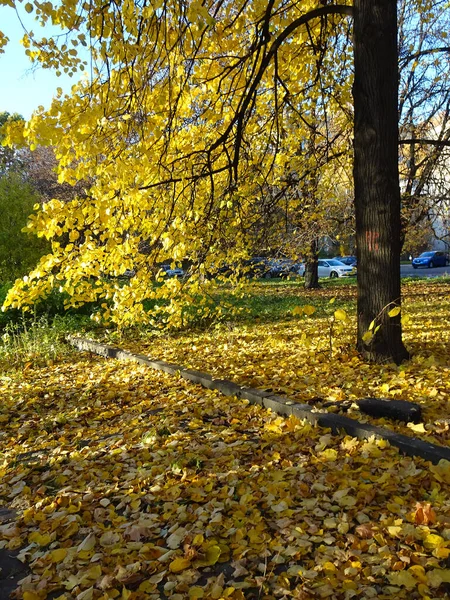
(40, 336)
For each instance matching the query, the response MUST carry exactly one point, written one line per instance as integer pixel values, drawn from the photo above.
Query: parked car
(167, 271)
(129, 273)
(347, 260)
(430, 259)
(289, 268)
(331, 267)
(281, 267)
(260, 267)
(257, 266)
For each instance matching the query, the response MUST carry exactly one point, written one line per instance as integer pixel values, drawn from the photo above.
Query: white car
(330, 267)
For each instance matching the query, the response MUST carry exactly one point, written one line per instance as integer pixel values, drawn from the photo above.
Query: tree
(377, 188)
(19, 252)
(194, 108)
(424, 114)
(9, 158)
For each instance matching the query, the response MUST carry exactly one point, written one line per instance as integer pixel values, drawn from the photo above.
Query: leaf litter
(133, 484)
(292, 356)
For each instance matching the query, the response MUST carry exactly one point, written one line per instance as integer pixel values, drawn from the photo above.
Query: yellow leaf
(367, 337)
(419, 572)
(329, 567)
(340, 315)
(438, 576)
(29, 7)
(394, 311)
(87, 544)
(372, 325)
(39, 538)
(394, 530)
(109, 538)
(196, 592)
(298, 310)
(329, 455)
(58, 555)
(309, 310)
(347, 501)
(417, 427)
(30, 596)
(445, 575)
(212, 555)
(403, 578)
(86, 594)
(179, 564)
(441, 552)
(432, 541)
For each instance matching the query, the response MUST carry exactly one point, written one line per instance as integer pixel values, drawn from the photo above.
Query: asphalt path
(409, 271)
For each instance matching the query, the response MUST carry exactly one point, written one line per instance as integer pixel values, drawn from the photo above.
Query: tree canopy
(195, 113)
(193, 119)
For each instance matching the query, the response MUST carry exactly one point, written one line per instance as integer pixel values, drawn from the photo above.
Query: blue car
(430, 260)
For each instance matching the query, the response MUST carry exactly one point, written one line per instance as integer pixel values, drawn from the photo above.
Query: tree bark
(377, 190)
(311, 267)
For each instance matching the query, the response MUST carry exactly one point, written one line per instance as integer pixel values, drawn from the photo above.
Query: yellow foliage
(340, 315)
(154, 143)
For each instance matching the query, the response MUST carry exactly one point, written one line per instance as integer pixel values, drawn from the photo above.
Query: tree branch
(407, 59)
(425, 141)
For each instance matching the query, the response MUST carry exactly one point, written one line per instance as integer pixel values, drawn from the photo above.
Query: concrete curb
(279, 404)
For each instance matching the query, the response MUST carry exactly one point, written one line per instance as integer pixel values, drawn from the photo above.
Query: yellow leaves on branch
(141, 137)
(368, 336)
(394, 311)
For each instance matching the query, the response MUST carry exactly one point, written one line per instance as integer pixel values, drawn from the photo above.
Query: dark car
(347, 260)
(288, 267)
(430, 259)
(167, 271)
(257, 266)
(273, 267)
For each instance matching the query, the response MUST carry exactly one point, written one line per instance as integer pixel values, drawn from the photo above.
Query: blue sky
(22, 90)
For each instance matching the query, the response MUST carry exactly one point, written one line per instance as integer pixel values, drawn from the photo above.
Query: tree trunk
(311, 267)
(377, 190)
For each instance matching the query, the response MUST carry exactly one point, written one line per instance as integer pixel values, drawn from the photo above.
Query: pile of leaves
(133, 484)
(308, 354)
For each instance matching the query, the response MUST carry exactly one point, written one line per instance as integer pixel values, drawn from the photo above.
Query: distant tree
(41, 171)
(424, 114)
(19, 251)
(9, 157)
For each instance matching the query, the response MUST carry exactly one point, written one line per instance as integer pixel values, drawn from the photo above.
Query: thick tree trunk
(311, 267)
(377, 190)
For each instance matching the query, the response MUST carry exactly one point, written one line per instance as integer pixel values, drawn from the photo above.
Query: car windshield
(426, 254)
(335, 263)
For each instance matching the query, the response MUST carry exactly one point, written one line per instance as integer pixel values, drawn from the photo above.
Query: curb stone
(281, 405)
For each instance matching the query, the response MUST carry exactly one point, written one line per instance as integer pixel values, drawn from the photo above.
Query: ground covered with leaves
(294, 345)
(133, 484)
